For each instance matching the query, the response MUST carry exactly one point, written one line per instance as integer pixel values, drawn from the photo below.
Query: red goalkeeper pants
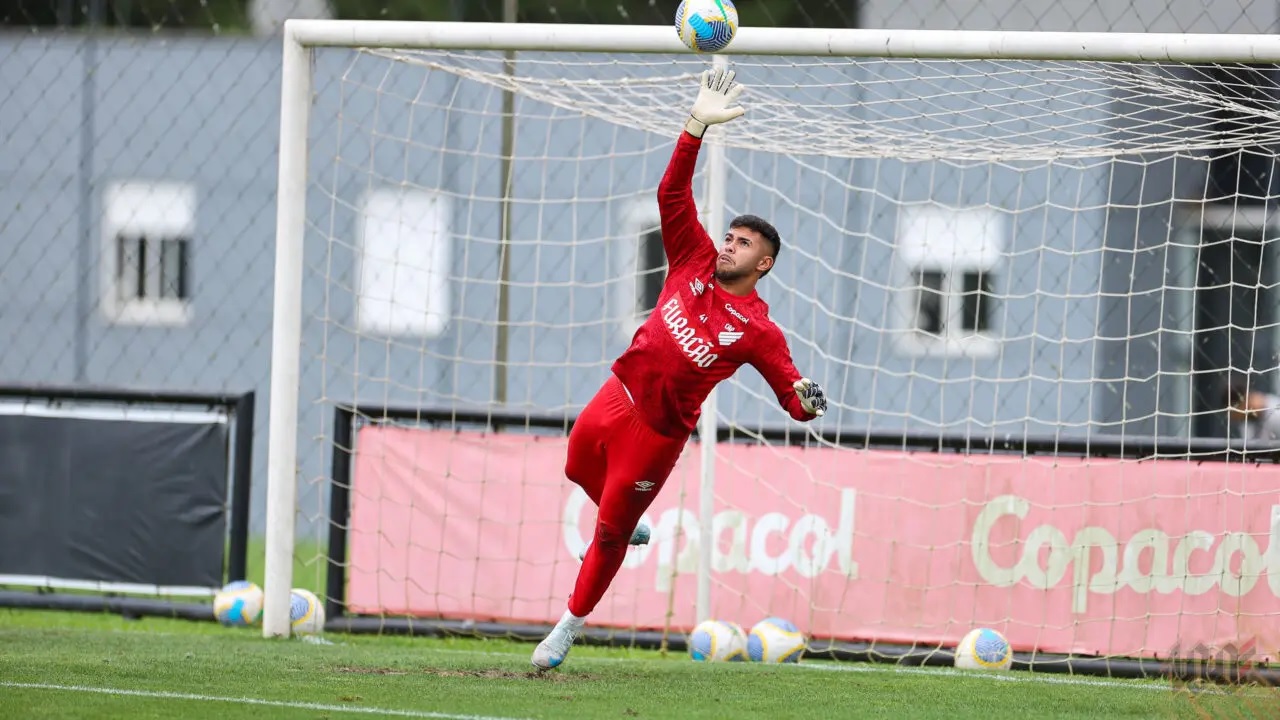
(621, 463)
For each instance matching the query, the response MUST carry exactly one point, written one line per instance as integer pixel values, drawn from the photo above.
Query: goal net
(996, 268)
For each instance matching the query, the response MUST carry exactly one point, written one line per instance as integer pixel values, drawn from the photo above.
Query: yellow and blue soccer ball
(984, 649)
(306, 614)
(718, 641)
(707, 26)
(774, 640)
(238, 604)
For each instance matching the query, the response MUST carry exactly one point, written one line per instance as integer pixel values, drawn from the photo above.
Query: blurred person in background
(1255, 413)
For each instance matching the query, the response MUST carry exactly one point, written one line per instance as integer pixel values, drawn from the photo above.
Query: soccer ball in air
(984, 649)
(707, 26)
(238, 604)
(718, 641)
(774, 640)
(306, 614)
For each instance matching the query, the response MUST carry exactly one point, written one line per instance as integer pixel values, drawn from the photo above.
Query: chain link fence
(137, 211)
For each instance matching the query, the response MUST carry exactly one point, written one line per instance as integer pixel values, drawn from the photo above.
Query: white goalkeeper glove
(714, 105)
(812, 399)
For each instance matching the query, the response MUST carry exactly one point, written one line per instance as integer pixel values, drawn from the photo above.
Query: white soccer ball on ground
(774, 640)
(707, 26)
(306, 614)
(238, 604)
(718, 641)
(984, 649)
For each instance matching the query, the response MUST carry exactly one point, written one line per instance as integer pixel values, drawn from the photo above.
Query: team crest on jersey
(728, 338)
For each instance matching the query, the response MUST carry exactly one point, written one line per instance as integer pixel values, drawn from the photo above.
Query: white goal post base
(1066, 137)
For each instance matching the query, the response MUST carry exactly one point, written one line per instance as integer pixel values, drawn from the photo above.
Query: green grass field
(68, 665)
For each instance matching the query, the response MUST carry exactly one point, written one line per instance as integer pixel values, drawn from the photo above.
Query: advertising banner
(109, 503)
(1070, 555)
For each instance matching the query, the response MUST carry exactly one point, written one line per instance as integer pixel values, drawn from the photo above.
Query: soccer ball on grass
(238, 604)
(718, 641)
(306, 614)
(774, 640)
(707, 26)
(984, 649)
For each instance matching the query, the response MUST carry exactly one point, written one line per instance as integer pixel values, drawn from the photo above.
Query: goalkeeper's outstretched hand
(716, 95)
(812, 399)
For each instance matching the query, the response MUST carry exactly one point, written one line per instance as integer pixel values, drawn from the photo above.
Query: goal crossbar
(816, 42)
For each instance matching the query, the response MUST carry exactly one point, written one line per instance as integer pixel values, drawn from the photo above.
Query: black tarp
(113, 500)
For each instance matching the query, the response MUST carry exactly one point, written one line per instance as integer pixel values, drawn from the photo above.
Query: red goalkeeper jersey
(699, 334)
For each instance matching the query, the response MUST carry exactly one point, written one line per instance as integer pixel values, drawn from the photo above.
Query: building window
(405, 251)
(930, 303)
(976, 301)
(638, 266)
(951, 258)
(651, 272)
(939, 294)
(151, 268)
(148, 229)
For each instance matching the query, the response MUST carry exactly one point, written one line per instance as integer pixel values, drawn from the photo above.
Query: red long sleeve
(683, 237)
(773, 362)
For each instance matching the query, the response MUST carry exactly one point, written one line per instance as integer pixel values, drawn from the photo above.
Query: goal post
(871, 149)
(286, 333)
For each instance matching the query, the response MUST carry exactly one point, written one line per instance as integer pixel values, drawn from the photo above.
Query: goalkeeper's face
(744, 254)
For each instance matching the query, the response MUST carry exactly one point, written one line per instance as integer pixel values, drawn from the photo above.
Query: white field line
(317, 707)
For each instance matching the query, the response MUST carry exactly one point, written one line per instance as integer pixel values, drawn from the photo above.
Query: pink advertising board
(1089, 556)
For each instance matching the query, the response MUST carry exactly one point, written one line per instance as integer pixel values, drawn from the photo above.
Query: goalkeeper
(709, 322)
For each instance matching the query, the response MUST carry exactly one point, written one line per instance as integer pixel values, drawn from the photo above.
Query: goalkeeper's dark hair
(766, 230)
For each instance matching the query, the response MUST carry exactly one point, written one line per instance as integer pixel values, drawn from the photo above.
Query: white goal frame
(301, 36)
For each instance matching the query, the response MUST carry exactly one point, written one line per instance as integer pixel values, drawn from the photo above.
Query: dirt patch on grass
(371, 670)
(483, 674)
(496, 674)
